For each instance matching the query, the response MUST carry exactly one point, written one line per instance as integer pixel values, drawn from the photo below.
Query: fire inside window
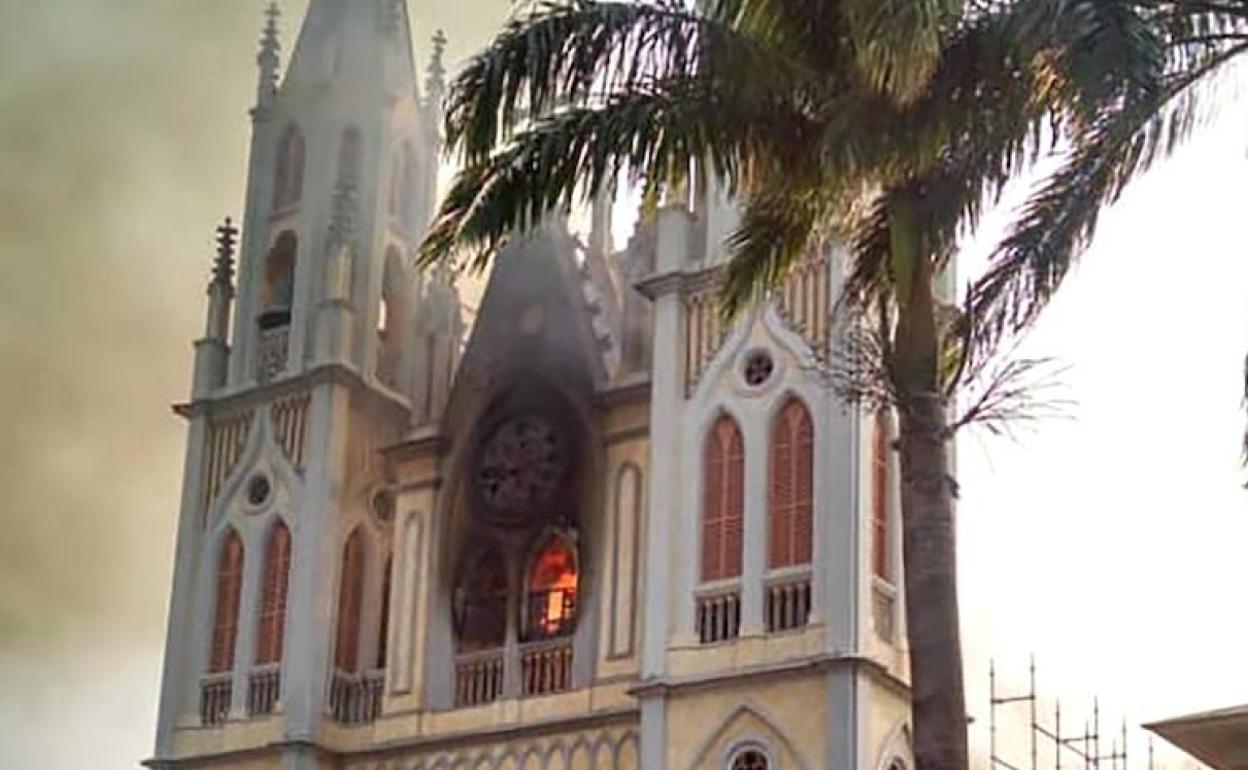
(552, 591)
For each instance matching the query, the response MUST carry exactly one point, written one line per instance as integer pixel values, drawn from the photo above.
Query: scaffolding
(1070, 747)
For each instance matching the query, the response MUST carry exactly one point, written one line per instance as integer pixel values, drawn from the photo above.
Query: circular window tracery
(521, 466)
(259, 490)
(750, 759)
(759, 366)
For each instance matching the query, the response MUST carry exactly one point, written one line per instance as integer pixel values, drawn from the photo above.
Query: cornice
(322, 374)
(683, 281)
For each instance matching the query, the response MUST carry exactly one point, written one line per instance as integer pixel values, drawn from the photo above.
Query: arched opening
(288, 182)
(881, 480)
(270, 640)
(723, 501)
(480, 601)
(391, 312)
(718, 606)
(404, 185)
(225, 614)
(383, 626)
(791, 491)
(350, 598)
(552, 583)
(277, 290)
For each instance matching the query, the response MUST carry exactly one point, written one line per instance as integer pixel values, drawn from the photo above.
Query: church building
(597, 528)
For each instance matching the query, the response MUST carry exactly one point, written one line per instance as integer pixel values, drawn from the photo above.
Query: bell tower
(323, 345)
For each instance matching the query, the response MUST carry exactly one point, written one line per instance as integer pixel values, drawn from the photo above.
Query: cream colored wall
(886, 734)
(622, 540)
(787, 716)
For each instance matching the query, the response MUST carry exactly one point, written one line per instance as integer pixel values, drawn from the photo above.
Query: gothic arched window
(552, 583)
(350, 157)
(269, 643)
(391, 313)
(791, 494)
(881, 480)
(350, 598)
(225, 615)
(383, 628)
(480, 602)
(288, 182)
(723, 501)
(277, 291)
(403, 186)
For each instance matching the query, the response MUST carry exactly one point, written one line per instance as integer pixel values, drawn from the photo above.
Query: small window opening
(553, 585)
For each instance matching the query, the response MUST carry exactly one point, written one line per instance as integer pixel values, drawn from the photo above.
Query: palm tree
(1169, 56)
(889, 123)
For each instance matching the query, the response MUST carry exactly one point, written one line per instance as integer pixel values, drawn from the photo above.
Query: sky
(1109, 544)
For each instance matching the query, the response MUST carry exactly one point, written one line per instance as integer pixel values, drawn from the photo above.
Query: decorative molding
(664, 687)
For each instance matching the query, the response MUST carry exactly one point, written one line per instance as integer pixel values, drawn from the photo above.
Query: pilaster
(177, 692)
(314, 571)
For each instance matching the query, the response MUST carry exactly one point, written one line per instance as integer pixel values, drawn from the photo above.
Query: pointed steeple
(435, 81)
(269, 59)
(355, 42)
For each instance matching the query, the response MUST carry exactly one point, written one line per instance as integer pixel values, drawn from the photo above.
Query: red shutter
(791, 503)
(879, 495)
(779, 512)
(273, 602)
(712, 505)
(350, 593)
(734, 504)
(229, 589)
(723, 501)
(803, 486)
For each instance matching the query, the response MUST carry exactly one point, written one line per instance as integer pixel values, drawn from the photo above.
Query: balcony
(788, 602)
(719, 615)
(546, 667)
(264, 690)
(355, 699)
(215, 694)
(479, 678)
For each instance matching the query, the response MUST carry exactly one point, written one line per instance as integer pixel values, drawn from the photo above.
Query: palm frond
(657, 132)
(1058, 221)
(580, 52)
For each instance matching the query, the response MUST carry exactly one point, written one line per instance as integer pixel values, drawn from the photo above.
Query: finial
(269, 58)
(435, 85)
(223, 266)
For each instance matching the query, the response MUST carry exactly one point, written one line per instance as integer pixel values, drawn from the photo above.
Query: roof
(1217, 738)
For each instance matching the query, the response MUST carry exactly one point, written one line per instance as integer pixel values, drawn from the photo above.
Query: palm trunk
(929, 552)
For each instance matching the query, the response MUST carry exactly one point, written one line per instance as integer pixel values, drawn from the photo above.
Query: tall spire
(223, 265)
(356, 42)
(269, 58)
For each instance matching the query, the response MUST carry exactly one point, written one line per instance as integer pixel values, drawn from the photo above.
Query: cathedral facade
(597, 528)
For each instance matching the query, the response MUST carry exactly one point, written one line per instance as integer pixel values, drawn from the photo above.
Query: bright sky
(1110, 545)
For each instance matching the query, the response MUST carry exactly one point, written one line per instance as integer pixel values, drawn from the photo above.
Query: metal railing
(355, 699)
(719, 616)
(788, 602)
(264, 689)
(216, 691)
(546, 667)
(479, 678)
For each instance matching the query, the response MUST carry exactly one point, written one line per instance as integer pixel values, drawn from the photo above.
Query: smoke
(123, 141)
